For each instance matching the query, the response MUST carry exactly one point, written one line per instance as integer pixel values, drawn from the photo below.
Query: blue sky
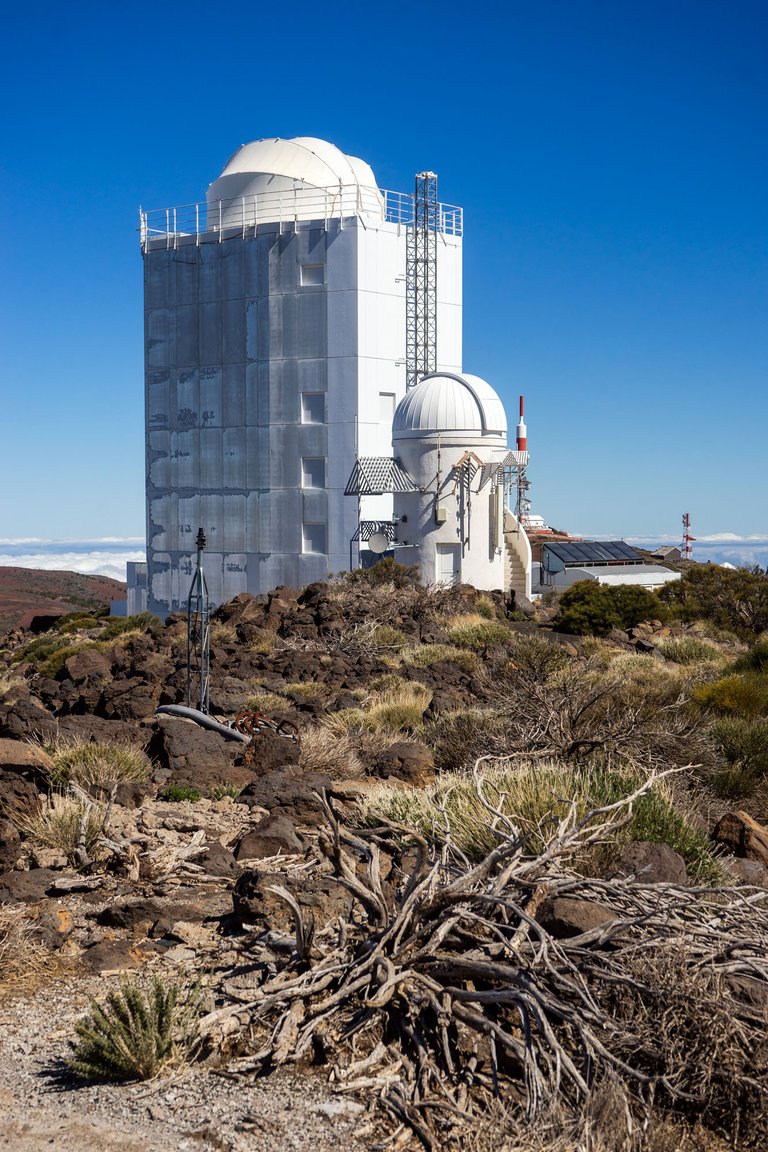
(611, 158)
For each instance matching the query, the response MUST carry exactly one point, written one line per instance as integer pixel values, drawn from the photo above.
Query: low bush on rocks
(330, 753)
(536, 798)
(96, 763)
(71, 825)
(178, 793)
(476, 631)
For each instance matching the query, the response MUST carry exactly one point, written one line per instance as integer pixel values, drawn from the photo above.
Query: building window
(313, 407)
(313, 538)
(386, 407)
(313, 472)
(311, 275)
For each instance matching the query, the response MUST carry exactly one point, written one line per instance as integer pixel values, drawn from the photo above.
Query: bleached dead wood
(444, 997)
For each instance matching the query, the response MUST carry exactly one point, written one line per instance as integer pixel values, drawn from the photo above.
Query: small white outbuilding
(449, 435)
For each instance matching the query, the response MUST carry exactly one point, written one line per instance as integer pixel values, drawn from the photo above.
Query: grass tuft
(96, 763)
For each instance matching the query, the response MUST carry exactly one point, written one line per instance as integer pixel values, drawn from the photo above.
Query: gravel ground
(193, 1111)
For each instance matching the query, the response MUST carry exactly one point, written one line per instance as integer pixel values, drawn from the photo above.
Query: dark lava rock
(408, 761)
(195, 757)
(254, 903)
(290, 791)
(26, 720)
(10, 845)
(112, 956)
(272, 835)
(653, 864)
(268, 751)
(128, 699)
(217, 860)
(565, 916)
(17, 887)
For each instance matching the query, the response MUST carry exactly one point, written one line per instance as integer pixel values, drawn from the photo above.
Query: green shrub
(425, 655)
(137, 1033)
(755, 660)
(177, 793)
(743, 742)
(475, 632)
(731, 598)
(744, 694)
(55, 662)
(119, 625)
(221, 791)
(74, 622)
(40, 649)
(536, 796)
(689, 650)
(589, 608)
(485, 608)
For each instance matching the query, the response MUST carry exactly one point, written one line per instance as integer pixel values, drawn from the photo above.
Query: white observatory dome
(303, 178)
(450, 404)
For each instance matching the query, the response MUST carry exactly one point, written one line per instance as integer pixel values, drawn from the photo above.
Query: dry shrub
(536, 796)
(265, 702)
(262, 643)
(96, 763)
(691, 650)
(25, 963)
(72, 825)
(425, 655)
(223, 633)
(473, 630)
(399, 708)
(330, 753)
(304, 690)
(694, 1026)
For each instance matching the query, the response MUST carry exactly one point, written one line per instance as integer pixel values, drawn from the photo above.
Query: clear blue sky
(611, 158)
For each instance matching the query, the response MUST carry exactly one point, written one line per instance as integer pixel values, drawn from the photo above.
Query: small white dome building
(449, 434)
(299, 179)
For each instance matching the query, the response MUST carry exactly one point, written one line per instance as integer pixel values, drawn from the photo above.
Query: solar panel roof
(593, 552)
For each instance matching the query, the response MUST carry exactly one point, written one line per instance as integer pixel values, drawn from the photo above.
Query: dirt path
(195, 1111)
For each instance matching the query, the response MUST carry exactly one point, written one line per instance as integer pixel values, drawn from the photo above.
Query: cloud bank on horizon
(108, 555)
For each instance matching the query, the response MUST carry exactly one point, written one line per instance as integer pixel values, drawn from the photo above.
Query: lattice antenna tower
(421, 282)
(198, 634)
(686, 548)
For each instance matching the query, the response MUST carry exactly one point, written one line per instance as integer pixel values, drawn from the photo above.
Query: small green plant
(476, 632)
(178, 793)
(690, 650)
(744, 743)
(743, 694)
(755, 660)
(120, 625)
(425, 655)
(138, 1032)
(221, 791)
(97, 763)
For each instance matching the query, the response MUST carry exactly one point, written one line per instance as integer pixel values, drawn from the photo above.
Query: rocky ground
(183, 887)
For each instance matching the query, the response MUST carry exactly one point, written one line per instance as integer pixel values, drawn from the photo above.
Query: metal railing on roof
(222, 219)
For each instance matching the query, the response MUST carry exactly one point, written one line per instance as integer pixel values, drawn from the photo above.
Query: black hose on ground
(203, 719)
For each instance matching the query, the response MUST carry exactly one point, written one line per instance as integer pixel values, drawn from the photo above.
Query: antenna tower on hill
(686, 548)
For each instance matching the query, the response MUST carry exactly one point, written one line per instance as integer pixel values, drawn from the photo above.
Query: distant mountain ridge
(29, 592)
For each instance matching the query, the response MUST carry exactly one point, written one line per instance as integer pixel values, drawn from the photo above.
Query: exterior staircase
(517, 557)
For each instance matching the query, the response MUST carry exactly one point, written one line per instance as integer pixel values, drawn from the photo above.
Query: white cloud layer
(104, 557)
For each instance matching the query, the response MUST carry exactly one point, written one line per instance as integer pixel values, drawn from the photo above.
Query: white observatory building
(275, 357)
(302, 347)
